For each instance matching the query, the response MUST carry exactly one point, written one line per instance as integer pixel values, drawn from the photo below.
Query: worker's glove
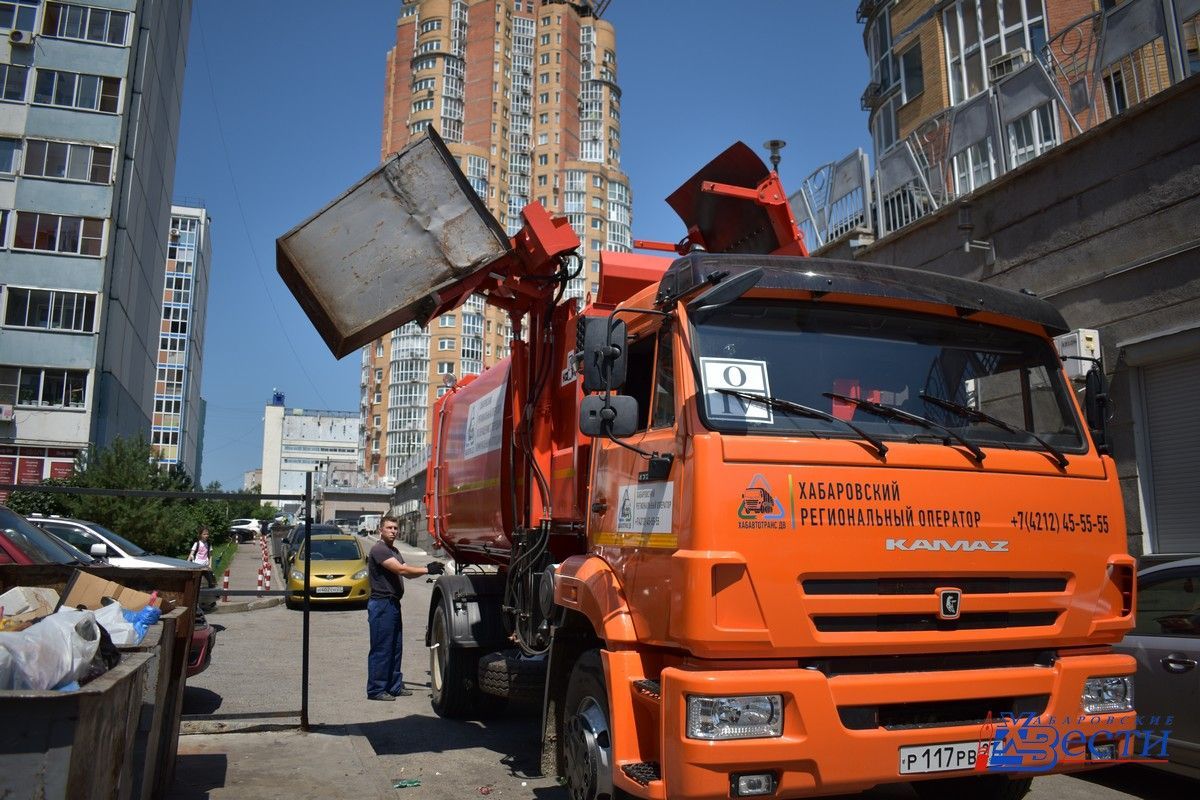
(436, 568)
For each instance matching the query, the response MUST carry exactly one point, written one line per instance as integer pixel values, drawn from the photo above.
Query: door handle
(599, 507)
(1178, 663)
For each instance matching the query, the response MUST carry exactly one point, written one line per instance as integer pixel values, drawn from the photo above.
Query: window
(429, 47)
(428, 62)
(10, 154)
(378, 375)
(379, 350)
(446, 321)
(431, 25)
(75, 162)
(445, 368)
(912, 74)
(445, 344)
(52, 233)
(980, 31)
(37, 386)
(1170, 605)
(423, 85)
(65, 21)
(50, 310)
(75, 90)
(375, 421)
(12, 82)
(664, 383)
(19, 15)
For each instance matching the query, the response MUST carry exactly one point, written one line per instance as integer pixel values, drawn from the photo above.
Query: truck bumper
(844, 733)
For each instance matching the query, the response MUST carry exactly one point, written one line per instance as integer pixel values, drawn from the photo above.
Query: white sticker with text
(645, 508)
(737, 375)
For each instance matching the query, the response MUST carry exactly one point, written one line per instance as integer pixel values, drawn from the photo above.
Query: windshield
(803, 353)
(333, 550)
(33, 541)
(121, 542)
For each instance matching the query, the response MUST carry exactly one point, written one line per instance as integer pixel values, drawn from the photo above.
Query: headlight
(1106, 695)
(297, 575)
(755, 716)
(358, 576)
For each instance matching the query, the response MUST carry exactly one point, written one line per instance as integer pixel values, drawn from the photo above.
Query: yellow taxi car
(338, 573)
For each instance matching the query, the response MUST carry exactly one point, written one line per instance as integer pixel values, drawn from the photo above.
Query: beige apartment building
(525, 94)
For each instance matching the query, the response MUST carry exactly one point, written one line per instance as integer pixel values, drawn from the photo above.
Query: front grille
(329, 577)
(935, 662)
(941, 713)
(927, 585)
(896, 623)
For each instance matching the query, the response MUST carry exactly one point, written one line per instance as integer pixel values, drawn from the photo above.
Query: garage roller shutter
(1172, 393)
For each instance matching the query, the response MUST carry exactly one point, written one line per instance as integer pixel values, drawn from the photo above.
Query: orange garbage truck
(747, 522)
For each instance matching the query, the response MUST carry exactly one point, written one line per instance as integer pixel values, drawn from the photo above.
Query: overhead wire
(242, 211)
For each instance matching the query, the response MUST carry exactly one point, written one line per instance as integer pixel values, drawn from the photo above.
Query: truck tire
(982, 787)
(507, 675)
(452, 670)
(587, 734)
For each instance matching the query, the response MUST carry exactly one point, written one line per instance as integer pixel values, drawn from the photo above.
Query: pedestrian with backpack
(201, 552)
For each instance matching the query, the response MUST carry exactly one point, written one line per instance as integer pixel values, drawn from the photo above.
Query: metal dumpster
(62, 758)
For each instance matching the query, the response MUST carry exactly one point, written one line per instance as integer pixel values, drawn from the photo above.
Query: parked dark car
(292, 544)
(22, 542)
(1165, 641)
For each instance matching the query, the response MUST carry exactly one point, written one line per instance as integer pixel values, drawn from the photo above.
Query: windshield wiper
(780, 404)
(891, 412)
(971, 413)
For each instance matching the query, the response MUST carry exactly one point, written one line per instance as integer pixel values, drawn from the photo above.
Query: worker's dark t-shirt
(384, 582)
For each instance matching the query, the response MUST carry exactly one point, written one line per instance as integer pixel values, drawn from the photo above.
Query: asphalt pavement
(242, 737)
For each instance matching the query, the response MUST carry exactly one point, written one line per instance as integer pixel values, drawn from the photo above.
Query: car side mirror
(608, 415)
(600, 341)
(1095, 406)
(98, 550)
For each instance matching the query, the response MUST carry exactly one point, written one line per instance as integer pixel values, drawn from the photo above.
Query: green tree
(160, 525)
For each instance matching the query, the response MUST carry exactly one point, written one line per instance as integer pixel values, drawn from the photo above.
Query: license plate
(328, 590)
(941, 757)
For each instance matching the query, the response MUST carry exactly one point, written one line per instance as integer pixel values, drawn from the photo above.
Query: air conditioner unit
(20, 38)
(6, 413)
(1006, 64)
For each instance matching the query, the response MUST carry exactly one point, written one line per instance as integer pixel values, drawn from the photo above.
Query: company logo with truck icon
(759, 508)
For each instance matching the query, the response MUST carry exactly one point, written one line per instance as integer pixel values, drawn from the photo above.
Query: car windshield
(33, 541)
(805, 353)
(333, 550)
(121, 542)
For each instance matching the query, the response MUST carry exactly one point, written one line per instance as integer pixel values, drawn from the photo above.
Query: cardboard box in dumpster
(89, 591)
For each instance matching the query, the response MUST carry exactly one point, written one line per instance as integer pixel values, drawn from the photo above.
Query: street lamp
(775, 145)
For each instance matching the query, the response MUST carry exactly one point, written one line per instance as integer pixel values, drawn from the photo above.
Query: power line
(242, 212)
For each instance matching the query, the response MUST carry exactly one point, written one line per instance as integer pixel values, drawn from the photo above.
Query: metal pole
(308, 487)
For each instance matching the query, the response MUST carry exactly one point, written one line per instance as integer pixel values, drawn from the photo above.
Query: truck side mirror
(601, 343)
(1095, 406)
(608, 415)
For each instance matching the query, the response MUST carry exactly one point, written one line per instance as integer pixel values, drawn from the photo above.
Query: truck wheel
(587, 737)
(983, 787)
(451, 671)
(519, 680)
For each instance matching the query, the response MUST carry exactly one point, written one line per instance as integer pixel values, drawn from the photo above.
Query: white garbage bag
(120, 630)
(55, 651)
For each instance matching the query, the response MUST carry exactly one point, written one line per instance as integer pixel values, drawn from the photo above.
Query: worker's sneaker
(404, 693)
(383, 696)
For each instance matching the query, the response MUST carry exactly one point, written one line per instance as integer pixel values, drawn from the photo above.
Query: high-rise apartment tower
(90, 95)
(525, 94)
(178, 422)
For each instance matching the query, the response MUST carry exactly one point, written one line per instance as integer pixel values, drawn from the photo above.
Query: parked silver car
(1166, 643)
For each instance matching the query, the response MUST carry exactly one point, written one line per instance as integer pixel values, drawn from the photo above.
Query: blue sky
(283, 107)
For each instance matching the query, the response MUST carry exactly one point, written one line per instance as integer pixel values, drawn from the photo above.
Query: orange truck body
(799, 566)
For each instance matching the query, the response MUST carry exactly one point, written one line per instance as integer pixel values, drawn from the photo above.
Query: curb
(252, 605)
